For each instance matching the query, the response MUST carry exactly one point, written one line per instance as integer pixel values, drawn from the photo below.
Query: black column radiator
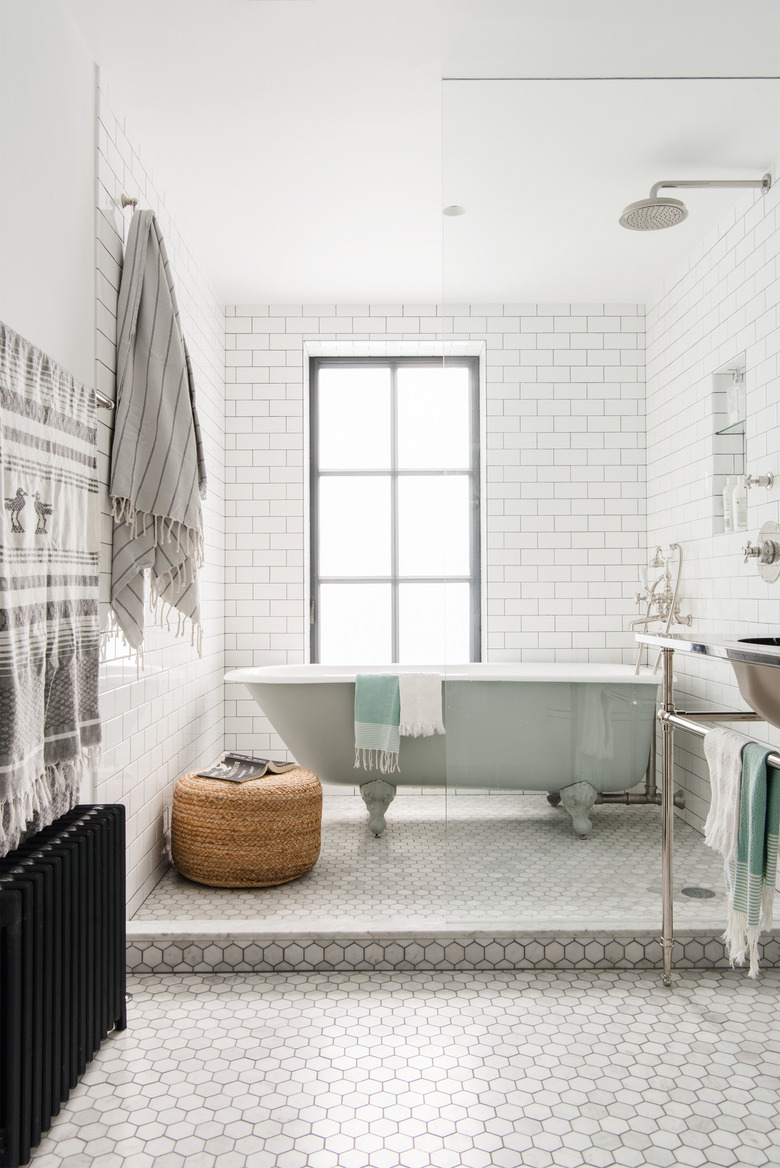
(62, 966)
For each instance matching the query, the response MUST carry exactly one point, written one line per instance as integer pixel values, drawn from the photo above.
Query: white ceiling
(307, 146)
(545, 169)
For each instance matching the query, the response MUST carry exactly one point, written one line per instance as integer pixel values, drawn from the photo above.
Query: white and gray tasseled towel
(420, 705)
(723, 752)
(157, 471)
(49, 630)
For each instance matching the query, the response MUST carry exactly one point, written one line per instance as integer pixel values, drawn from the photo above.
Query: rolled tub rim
(550, 672)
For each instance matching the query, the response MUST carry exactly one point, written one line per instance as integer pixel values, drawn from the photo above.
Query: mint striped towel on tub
(377, 718)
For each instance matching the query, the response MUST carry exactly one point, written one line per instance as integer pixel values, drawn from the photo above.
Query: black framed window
(394, 510)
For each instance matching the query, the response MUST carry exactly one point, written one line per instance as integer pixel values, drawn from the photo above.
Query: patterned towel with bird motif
(49, 632)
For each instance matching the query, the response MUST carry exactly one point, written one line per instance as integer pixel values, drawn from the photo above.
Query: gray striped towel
(157, 471)
(49, 632)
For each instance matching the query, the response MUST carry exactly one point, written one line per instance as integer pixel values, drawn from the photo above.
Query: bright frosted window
(433, 525)
(395, 511)
(355, 624)
(354, 418)
(434, 418)
(355, 526)
(434, 622)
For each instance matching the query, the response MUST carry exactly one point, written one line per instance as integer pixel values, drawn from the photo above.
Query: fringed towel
(420, 705)
(49, 631)
(723, 752)
(750, 876)
(157, 470)
(377, 715)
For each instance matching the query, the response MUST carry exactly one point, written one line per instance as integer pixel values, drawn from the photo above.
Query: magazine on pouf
(238, 768)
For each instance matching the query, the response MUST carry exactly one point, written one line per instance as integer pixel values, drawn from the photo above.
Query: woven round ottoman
(246, 835)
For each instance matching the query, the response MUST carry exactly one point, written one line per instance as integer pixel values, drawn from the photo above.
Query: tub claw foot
(554, 798)
(377, 796)
(578, 800)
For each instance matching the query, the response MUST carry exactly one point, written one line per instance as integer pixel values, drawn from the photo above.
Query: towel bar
(670, 718)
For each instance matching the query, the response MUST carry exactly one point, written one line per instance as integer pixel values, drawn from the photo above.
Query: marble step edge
(246, 931)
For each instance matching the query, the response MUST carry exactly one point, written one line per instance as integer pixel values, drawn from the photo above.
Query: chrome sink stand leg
(667, 813)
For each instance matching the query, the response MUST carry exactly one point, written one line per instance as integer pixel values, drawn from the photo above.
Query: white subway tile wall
(564, 474)
(168, 717)
(725, 302)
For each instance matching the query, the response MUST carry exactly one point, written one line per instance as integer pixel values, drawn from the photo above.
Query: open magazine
(237, 768)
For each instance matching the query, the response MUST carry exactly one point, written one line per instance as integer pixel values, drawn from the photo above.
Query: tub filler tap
(662, 597)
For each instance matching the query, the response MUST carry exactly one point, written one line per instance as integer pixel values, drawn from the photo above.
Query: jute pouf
(246, 835)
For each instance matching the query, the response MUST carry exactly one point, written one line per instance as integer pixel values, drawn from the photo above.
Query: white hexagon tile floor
(473, 861)
(432, 1070)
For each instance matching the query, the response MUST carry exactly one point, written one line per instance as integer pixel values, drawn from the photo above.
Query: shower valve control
(766, 551)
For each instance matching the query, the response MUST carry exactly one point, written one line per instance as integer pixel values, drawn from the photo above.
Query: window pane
(354, 529)
(433, 418)
(434, 623)
(354, 419)
(433, 525)
(354, 622)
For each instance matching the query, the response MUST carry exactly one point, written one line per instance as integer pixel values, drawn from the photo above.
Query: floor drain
(698, 893)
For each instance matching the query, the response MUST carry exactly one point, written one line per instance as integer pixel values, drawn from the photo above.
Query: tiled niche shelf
(729, 439)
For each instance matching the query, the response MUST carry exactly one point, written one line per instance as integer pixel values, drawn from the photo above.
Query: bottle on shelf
(735, 397)
(739, 505)
(728, 504)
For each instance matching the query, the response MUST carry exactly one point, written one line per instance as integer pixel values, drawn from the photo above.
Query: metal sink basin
(760, 684)
(755, 661)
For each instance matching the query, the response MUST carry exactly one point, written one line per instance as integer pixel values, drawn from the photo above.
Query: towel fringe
(742, 942)
(55, 791)
(384, 761)
(187, 539)
(161, 612)
(116, 632)
(420, 729)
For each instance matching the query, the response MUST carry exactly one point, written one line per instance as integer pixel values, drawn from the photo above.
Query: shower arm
(764, 182)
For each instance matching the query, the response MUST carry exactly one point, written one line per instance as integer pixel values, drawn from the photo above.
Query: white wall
(725, 302)
(168, 719)
(51, 267)
(47, 144)
(564, 465)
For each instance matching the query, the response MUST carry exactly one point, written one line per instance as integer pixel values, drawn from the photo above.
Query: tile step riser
(205, 955)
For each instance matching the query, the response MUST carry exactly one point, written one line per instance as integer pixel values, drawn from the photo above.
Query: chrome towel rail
(684, 720)
(105, 403)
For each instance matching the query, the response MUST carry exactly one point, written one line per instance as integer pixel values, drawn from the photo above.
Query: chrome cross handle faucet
(766, 552)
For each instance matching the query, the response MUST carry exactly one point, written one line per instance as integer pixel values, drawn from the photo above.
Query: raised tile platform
(456, 883)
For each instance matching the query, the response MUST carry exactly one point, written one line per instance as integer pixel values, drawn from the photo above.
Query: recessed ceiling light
(454, 210)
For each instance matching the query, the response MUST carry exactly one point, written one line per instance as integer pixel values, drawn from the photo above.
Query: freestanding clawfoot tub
(570, 730)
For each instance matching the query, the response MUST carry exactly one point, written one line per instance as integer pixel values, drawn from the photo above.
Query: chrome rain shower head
(654, 213)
